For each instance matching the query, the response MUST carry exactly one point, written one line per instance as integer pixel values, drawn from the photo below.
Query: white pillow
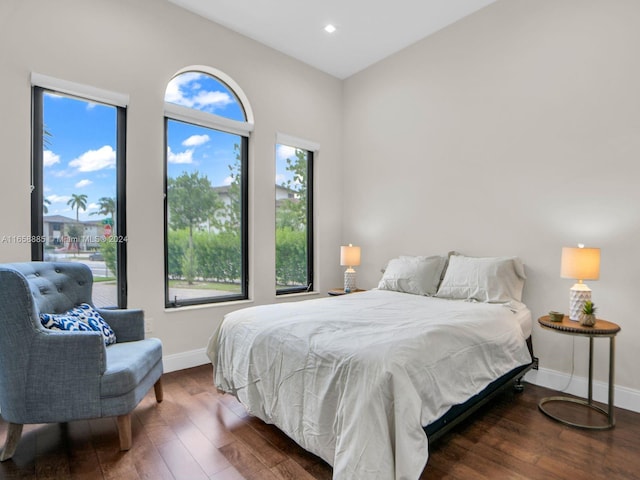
(483, 279)
(417, 275)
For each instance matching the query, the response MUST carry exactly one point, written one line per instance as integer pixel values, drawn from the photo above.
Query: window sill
(230, 303)
(299, 294)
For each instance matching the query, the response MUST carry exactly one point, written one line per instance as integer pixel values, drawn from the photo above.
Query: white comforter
(353, 378)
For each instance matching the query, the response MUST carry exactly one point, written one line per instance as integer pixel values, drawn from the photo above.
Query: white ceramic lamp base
(349, 280)
(578, 295)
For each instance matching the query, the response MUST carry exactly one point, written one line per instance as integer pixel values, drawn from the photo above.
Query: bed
(358, 379)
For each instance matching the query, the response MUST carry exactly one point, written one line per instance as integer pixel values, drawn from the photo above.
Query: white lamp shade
(580, 263)
(349, 256)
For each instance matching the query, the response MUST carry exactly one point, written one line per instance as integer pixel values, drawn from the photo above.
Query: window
(206, 131)
(294, 218)
(78, 184)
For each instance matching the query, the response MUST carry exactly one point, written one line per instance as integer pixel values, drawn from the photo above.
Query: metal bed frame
(458, 413)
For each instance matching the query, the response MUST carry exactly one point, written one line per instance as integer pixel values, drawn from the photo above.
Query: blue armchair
(49, 376)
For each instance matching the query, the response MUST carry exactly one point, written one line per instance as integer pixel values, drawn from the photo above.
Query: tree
(45, 205)
(107, 206)
(192, 201)
(232, 212)
(78, 202)
(292, 212)
(110, 255)
(74, 232)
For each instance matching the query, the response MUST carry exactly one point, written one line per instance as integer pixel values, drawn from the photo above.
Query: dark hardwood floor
(197, 433)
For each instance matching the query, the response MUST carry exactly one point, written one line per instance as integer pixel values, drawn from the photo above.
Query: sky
(80, 157)
(79, 154)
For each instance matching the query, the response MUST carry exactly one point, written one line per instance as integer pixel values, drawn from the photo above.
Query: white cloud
(195, 140)
(186, 90)
(174, 93)
(285, 151)
(227, 181)
(58, 198)
(92, 160)
(93, 206)
(83, 183)
(49, 158)
(212, 99)
(280, 179)
(181, 157)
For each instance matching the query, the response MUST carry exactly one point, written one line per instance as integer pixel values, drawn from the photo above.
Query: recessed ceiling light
(330, 28)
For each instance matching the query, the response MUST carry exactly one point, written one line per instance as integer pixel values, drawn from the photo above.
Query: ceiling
(367, 30)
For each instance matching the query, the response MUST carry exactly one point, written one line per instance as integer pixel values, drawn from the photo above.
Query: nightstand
(602, 329)
(334, 292)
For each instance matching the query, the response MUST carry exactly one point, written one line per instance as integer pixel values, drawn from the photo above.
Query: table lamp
(580, 264)
(349, 257)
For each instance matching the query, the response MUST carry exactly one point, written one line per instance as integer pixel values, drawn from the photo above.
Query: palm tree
(78, 202)
(107, 207)
(45, 205)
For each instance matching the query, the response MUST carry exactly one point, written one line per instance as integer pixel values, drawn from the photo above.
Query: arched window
(206, 93)
(207, 125)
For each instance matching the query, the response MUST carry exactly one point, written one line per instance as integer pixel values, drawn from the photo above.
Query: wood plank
(210, 459)
(148, 461)
(243, 459)
(290, 470)
(199, 433)
(180, 462)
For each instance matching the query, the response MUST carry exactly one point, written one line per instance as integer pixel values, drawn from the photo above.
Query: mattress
(354, 378)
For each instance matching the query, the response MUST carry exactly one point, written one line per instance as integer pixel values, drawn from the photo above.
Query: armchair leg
(124, 431)
(157, 387)
(13, 437)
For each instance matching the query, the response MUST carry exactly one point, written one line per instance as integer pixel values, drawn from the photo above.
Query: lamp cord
(573, 363)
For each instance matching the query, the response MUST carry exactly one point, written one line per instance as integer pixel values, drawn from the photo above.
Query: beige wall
(135, 48)
(515, 131)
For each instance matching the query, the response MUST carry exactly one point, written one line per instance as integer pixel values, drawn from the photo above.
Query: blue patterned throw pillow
(81, 318)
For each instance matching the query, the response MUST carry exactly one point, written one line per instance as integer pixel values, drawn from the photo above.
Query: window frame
(40, 86)
(212, 121)
(312, 149)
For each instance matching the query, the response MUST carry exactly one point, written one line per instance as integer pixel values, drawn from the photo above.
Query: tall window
(206, 191)
(78, 204)
(294, 219)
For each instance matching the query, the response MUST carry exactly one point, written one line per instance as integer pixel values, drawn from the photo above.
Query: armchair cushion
(127, 365)
(81, 318)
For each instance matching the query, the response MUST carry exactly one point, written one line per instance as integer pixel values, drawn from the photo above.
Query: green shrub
(109, 253)
(291, 257)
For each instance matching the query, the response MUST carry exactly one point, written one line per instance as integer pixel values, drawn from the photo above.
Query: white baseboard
(180, 361)
(623, 397)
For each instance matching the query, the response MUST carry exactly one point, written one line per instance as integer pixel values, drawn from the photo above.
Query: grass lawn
(225, 287)
(103, 279)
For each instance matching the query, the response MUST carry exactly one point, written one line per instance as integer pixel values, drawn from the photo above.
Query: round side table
(335, 292)
(602, 329)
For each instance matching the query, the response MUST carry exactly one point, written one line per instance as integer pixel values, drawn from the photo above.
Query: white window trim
(87, 92)
(291, 141)
(206, 119)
